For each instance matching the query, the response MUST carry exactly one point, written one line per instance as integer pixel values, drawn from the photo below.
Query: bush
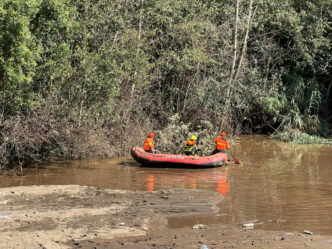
(173, 137)
(298, 137)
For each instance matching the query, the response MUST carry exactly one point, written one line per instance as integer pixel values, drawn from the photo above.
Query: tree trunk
(235, 39)
(138, 51)
(245, 41)
(226, 110)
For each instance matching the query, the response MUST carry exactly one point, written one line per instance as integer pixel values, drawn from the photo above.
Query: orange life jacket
(148, 144)
(190, 143)
(222, 144)
(190, 147)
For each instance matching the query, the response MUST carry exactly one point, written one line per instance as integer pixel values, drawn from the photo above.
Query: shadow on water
(277, 186)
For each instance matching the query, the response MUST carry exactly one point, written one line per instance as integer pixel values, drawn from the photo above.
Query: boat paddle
(235, 159)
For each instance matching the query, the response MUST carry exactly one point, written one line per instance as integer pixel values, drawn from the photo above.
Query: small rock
(199, 226)
(248, 225)
(56, 133)
(307, 232)
(121, 224)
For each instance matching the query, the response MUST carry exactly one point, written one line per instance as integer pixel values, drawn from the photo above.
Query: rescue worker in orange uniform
(148, 143)
(191, 147)
(221, 144)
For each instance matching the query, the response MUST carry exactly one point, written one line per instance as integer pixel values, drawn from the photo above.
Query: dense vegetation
(90, 78)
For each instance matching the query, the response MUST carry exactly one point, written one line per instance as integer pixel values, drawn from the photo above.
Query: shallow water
(277, 186)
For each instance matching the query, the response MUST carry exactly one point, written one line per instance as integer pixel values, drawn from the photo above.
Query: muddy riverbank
(74, 216)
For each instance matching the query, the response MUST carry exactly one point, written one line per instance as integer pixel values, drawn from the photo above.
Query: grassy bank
(298, 137)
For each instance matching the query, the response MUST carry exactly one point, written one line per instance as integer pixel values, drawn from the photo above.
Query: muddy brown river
(277, 186)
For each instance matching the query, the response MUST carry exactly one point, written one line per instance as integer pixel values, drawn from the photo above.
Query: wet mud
(75, 216)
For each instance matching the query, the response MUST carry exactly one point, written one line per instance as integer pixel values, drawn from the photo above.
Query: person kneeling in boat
(191, 147)
(221, 144)
(148, 143)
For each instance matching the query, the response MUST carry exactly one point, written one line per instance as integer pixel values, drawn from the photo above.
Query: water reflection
(150, 183)
(216, 179)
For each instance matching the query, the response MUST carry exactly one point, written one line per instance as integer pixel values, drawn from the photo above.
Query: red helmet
(151, 134)
(223, 134)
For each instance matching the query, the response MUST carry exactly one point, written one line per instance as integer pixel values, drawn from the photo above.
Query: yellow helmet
(194, 138)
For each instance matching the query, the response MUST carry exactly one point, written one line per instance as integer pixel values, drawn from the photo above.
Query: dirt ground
(73, 216)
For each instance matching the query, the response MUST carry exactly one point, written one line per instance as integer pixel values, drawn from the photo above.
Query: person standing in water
(221, 144)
